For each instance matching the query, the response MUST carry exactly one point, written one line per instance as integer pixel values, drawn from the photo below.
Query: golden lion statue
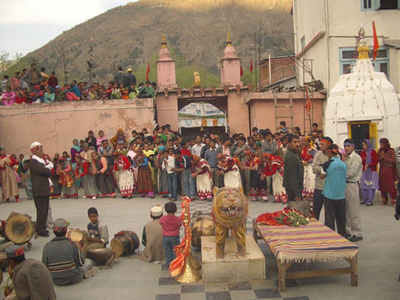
(229, 211)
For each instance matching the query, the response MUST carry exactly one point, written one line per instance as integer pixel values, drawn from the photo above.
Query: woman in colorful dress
(162, 174)
(273, 166)
(151, 158)
(103, 176)
(387, 171)
(307, 157)
(126, 181)
(23, 170)
(83, 170)
(75, 149)
(258, 187)
(9, 185)
(229, 167)
(145, 182)
(369, 181)
(120, 136)
(202, 172)
(67, 178)
(131, 156)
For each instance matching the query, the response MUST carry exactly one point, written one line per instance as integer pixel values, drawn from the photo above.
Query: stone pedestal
(232, 267)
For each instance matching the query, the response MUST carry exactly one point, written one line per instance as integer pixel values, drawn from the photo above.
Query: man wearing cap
(31, 279)
(354, 172)
(319, 159)
(40, 170)
(152, 237)
(293, 170)
(65, 259)
(130, 78)
(334, 171)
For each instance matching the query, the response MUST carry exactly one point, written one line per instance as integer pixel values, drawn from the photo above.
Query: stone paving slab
(132, 278)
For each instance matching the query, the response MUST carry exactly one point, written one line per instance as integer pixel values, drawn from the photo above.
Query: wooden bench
(313, 242)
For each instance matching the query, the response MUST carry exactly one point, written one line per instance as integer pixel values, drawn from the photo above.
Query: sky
(26, 25)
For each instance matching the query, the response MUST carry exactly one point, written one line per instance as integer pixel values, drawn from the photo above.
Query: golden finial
(163, 42)
(228, 41)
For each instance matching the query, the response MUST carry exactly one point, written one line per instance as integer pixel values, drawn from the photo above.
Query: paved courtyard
(131, 278)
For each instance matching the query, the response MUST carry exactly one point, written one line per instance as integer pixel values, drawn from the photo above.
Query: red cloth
(148, 71)
(170, 225)
(376, 43)
(270, 218)
(251, 66)
(186, 152)
(123, 162)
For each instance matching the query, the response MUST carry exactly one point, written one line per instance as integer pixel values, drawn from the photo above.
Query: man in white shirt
(196, 148)
(168, 165)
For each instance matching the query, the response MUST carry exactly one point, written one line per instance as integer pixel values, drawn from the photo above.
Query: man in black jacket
(294, 172)
(40, 169)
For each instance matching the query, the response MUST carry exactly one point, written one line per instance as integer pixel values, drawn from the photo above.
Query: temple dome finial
(361, 44)
(163, 42)
(228, 40)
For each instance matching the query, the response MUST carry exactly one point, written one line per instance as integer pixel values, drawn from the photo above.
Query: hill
(130, 36)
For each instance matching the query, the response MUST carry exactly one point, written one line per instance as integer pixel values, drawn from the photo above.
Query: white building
(363, 105)
(325, 32)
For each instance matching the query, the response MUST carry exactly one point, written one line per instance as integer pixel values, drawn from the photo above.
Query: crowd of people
(287, 165)
(34, 86)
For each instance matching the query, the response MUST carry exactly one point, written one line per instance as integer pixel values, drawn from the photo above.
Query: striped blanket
(313, 242)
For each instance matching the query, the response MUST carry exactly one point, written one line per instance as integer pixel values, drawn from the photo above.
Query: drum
(124, 243)
(19, 228)
(3, 260)
(78, 236)
(100, 256)
(201, 225)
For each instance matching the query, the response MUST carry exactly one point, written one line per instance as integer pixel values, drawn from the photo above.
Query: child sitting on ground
(98, 232)
(170, 230)
(152, 238)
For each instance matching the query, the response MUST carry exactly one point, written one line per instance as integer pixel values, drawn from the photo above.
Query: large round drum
(100, 256)
(3, 260)
(79, 237)
(124, 243)
(202, 225)
(19, 228)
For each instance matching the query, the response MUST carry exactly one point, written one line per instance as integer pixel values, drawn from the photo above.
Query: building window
(303, 42)
(368, 5)
(349, 56)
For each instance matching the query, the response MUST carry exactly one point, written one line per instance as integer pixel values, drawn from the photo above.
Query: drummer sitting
(65, 259)
(152, 238)
(98, 232)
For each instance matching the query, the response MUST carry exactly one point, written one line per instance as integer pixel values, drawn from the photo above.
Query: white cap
(35, 144)
(156, 211)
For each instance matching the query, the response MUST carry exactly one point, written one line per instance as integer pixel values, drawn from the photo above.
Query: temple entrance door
(359, 131)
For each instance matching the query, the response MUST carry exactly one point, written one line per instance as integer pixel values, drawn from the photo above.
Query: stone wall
(56, 125)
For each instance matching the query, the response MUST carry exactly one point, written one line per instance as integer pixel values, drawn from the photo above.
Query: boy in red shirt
(170, 228)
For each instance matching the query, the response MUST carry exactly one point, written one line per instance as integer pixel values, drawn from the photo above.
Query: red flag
(251, 66)
(376, 43)
(241, 71)
(308, 102)
(148, 71)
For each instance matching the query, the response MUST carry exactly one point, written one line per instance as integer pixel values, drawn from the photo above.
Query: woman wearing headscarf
(9, 185)
(55, 179)
(91, 141)
(202, 172)
(369, 179)
(145, 182)
(307, 157)
(100, 139)
(85, 172)
(151, 158)
(229, 167)
(118, 137)
(67, 178)
(258, 187)
(75, 149)
(387, 171)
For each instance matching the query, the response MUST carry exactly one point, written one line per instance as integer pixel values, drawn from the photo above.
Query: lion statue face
(230, 206)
